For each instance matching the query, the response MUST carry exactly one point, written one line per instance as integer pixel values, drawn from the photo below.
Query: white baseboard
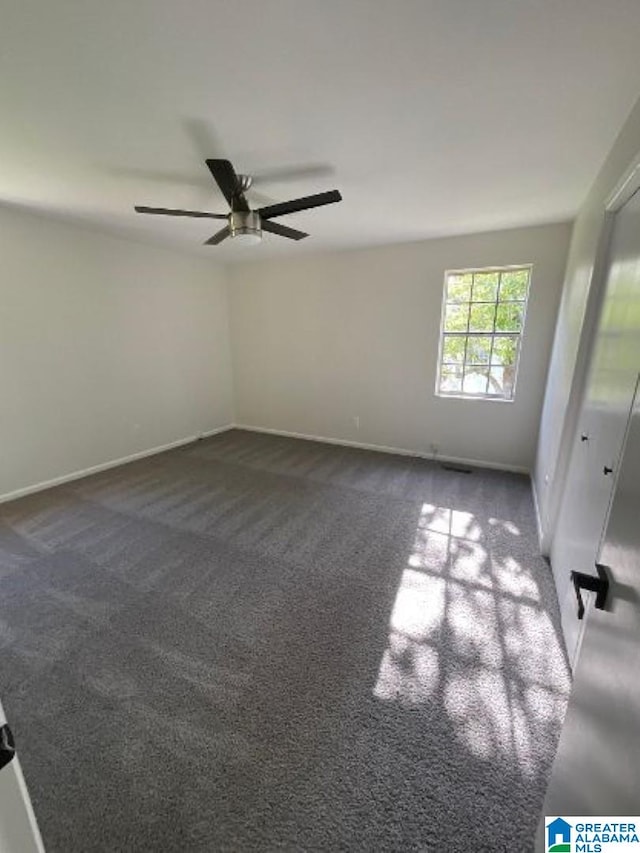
(381, 448)
(104, 466)
(211, 432)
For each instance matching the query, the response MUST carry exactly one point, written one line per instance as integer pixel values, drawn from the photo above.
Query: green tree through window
(483, 318)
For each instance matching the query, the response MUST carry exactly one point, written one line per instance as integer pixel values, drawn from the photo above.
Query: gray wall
(575, 328)
(107, 348)
(319, 341)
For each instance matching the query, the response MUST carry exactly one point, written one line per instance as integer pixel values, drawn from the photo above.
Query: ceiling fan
(242, 222)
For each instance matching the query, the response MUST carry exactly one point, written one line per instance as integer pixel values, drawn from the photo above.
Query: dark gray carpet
(258, 643)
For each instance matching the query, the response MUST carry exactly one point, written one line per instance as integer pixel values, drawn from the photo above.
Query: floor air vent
(458, 469)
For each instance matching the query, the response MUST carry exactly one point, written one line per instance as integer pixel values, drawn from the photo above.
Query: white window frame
(491, 398)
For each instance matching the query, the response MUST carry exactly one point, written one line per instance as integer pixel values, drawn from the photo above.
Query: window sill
(479, 398)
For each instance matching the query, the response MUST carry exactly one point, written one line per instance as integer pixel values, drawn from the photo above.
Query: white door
(593, 469)
(597, 766)
(18, 828)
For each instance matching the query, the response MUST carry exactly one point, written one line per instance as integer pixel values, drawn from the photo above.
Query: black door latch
(599, 585)
(7, 746)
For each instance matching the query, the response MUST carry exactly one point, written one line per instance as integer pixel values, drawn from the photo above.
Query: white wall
(107, 348)
(575, 328)
(317, 341)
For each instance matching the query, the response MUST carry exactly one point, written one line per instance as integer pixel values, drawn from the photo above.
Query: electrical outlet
(356, 421)
(434, 448)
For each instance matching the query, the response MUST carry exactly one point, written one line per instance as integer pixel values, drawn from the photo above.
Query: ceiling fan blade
(292, 173)
(282, 230)
(218, 237)
(299, 204)
(168, 211)
(225, 176)
(255, 197)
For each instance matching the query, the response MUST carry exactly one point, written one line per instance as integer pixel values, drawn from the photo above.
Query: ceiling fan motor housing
(245, 222)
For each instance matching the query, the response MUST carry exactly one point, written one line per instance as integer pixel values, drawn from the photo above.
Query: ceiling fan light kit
(243, 223)
(245, 226)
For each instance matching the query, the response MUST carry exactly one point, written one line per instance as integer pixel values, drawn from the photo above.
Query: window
(482, 320)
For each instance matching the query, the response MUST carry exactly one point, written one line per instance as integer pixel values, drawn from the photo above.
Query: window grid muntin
(492, 333)
(493, 336)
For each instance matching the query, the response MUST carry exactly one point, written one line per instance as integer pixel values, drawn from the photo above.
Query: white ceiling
(432, 117)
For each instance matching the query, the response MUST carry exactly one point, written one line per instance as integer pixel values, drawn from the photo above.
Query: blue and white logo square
(580, 834)
(558, 832)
